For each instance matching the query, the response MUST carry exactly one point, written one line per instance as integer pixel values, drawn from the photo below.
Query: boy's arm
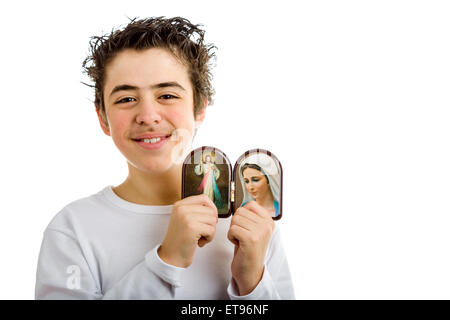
(63, 273)
(276, 282)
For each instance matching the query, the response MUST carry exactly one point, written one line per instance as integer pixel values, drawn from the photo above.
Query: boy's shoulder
(79, 210)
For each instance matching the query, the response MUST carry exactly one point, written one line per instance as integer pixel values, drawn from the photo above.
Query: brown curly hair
(177, 35)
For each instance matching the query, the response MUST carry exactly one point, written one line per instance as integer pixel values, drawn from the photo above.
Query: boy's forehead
(144, 67)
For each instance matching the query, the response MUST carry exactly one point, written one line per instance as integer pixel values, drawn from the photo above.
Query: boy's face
(148, 93)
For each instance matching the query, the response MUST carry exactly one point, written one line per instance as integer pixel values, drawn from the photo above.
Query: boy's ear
(201, 115)
(103, 121)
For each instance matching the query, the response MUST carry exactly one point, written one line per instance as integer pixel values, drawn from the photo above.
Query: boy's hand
(250, 231)
(193, 222)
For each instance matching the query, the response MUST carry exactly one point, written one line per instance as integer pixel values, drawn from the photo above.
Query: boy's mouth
(152, 141)
(152, 138)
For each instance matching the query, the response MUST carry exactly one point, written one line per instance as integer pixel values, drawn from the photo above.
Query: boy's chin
(155, 167)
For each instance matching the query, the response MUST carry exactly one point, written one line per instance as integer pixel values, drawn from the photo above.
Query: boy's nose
(149, 112)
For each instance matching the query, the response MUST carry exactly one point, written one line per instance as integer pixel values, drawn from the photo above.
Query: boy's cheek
(182, 119)
(119, 124)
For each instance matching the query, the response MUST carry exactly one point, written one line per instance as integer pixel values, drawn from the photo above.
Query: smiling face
(149, 105)
(256, 183)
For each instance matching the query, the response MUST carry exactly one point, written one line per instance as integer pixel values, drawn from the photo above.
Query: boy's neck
(157, 189)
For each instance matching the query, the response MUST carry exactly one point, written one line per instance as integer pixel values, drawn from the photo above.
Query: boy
(140, 240)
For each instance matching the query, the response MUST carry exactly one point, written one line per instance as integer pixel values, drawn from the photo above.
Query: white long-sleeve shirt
(104, 247)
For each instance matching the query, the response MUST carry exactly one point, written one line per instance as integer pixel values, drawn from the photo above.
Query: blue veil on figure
(271, 170)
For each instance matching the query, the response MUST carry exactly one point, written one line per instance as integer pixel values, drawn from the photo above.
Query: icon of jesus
(208, 184)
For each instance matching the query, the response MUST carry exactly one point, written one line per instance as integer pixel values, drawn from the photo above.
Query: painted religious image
(260, 179)
(207, 171)
(210, 174)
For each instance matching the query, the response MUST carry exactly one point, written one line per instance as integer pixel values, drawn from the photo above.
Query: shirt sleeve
(63, 273)
(276, 282)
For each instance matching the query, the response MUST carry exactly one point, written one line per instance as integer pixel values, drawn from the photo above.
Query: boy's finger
(201, 213)
(207, 234)
(243, 222)
(241, 211)
(236, 233)
(258, 209)
(198, 199)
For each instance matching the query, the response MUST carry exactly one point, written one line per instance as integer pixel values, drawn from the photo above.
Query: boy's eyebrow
(167, 84)
(124, 87)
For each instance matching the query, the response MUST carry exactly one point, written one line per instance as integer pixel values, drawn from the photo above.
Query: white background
(351, 96)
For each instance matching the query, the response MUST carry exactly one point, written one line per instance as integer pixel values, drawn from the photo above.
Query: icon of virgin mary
(260, 179)
(210, 173)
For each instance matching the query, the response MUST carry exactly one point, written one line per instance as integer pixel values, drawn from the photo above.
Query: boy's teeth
(152, 140)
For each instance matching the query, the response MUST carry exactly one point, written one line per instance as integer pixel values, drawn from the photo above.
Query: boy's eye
(125, 100)
(168, 96)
